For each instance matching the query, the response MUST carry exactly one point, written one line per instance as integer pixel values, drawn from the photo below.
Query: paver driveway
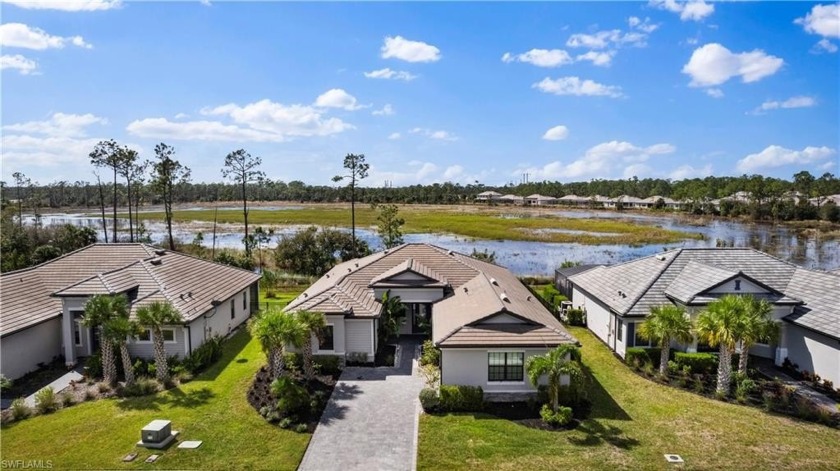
(370, 422)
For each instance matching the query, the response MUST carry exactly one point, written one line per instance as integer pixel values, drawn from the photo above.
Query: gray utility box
(157, 434)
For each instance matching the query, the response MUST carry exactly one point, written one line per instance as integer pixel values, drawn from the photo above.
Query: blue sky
(428, 92)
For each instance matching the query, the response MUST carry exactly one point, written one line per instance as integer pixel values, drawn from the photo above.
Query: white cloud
(386, 110)
(694, 10)
(823, 20)
(792, 102)
(338, 98)
(540, 57)
(713, 64)
(824, 45)
(387, 73)
(714, 92)
(687, 171)
(410, 51)
(18, 62)
(576, 86)
(182, 116)
(602, 59)
(557, 133)
(394, 136)
(452, 172)
(26, 37)
(438, 135)
(262, 121)
(62, 139)
(604, 160)
(603, 39)
(777, 156)
(642, 25)
(66, 5)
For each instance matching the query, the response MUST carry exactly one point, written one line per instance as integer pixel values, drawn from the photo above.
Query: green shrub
(286, 423)
(556, 419)
(328, 364)
(429, 399)
(643, 356)
(549, 292)
(292, 399)
(744, 386)
(93, 366)
(700, 363)
(294, 361)
(205, 355)
(576, 317)
(459, 398)
(143, 386)
(5, 383)
(431, 354)
(67, 399)
(302, 428)
(19, 409)
(46, 400)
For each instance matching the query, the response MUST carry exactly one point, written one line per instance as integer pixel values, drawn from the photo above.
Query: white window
(77, 333)
(505, 366)
(168, 335)
(145, 336)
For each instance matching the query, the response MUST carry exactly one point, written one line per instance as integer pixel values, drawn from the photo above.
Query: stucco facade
(23, 351)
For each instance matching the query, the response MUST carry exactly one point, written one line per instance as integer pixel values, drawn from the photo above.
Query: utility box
(157, 434)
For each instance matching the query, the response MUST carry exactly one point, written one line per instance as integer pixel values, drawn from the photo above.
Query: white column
(781, 348)
(67, 328)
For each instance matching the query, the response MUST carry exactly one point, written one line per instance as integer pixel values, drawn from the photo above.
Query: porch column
(67, 328)
(781, 348)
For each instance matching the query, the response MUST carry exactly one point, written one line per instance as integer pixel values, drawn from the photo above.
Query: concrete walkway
(801, 388)
(370, 422)
(60, 384)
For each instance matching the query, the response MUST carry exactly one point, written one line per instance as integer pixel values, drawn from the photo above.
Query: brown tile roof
(475, 291)
(34, 295)
(409, 265)
(507, 335)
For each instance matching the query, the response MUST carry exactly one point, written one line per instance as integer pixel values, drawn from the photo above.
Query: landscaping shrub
(430, 355)
(556, 419)
(286, 423)
(700, 363)
(293, 399)
(431, 375)
(459, 398)
(429, 399)
(576, 317)
(744, 386)
(5, 383)
(302, 428)
(643, 356)
(205, 355)
(143, 386)
(294, 361)
(93, 366)
(328, 365)
(67, 399)
(46, 400)
(19, 409)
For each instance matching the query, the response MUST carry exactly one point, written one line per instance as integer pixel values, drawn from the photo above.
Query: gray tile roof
(681, 272)
(33, 295)
(567, 272)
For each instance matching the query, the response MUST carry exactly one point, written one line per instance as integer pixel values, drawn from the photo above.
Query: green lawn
(212, 408)
(633, 423)
(475, 222)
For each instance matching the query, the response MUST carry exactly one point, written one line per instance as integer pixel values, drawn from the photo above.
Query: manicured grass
(480, 223)
(283, 296)
(633, 423)
(212, 408)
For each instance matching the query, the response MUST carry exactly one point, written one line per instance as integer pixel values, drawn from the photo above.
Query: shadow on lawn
(231, 349)
(603, 405)
(335, 409)
(175, 397)
(597, 433)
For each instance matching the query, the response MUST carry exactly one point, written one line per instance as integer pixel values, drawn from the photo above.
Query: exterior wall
(339, 337)
(66, 342)
(621, 336)
(218, 321)
(359, 336)
(813, 352)
(598, 318)
(140, 349)
(470, 367)
(21, 352)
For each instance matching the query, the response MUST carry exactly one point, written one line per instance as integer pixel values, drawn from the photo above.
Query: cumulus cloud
(713, 64)
(453, 172)
(692, 10)
(778, 156)
(792, 102)
(26, 37)
(824, 46)
(823, 20)
(714, 92)
(687, 171)
(59, 124)
(338, 98)
(576, 86)
(386, 110)
(17, 62)
(61, 139)
(398, 47)
(438, 135)
(557, 133)
(394, 136)
(598, 58)
(540, 57)
(642, 25)
(388, 74)
(261, 121)
(66, 5)
(603, 39)
(605, 160)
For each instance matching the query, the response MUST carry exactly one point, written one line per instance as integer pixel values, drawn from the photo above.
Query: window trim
(139, 340)
(505, 366)
(174, 335)
(245, 300)
(320, 350)
(77, 327)
(151, 336)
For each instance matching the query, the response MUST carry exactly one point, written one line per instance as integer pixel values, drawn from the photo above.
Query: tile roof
(33, 295)
(569, 271)
(648, 281)
(409, 265)
(474, 292)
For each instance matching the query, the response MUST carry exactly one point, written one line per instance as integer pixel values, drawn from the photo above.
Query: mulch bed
(528, 415)
(259, 394)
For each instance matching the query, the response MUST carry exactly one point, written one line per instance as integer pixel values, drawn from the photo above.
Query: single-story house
(574, 200)
(540, 200)
(488, 196)
(42, 306)
(484, 320)
(806, 303)
(512, 199)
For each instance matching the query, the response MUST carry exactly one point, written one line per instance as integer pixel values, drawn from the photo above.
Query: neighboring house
(805, 302)
(574, 200)
(540, 200)
(484, 320)
(669, 203)
(561, 278)
(488, 196)
(42, 306)
(512, 199)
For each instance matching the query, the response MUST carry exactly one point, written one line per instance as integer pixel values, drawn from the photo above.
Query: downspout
(189, 338)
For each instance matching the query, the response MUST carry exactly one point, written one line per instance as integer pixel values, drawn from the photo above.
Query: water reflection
(805, 248)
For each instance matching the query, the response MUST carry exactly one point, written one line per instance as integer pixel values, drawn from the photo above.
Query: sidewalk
(59, 385)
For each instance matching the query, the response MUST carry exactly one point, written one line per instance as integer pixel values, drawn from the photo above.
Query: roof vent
(357, 264)
(661, 257)
(328, 275)
(160, 252)
(182, 296)
(305, 295)
(529, 297)
(349, 269)
(156, 261)
(504, 297)
(466, 290)
(189, 294)
(493, 281)
(449, 252)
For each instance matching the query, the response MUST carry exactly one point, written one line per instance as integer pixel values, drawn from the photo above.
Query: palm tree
(391, 318)
(154, 316)
(313, 322)
(757, 325)
(99, 311)
(275, 329)
(664, 324)
(561, 361)
(719, 325)
(118, 330)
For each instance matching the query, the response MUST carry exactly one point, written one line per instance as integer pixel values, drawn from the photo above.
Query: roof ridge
(654, 280)
(161, 286)
(99, 275)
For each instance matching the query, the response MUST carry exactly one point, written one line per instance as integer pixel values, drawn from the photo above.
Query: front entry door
(421, 318)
